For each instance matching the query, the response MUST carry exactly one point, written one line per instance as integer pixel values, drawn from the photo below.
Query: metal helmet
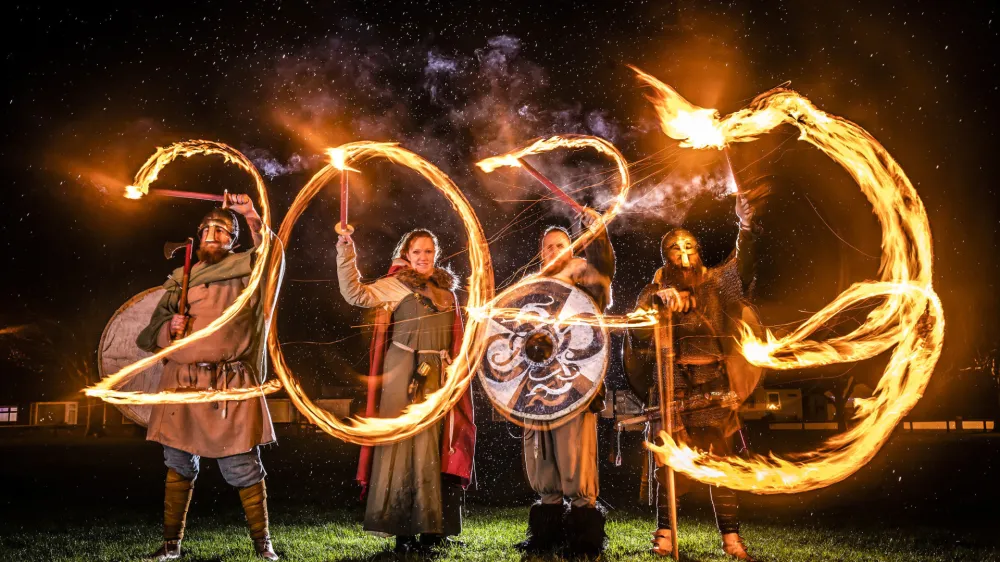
(223, 219)
(673, 237)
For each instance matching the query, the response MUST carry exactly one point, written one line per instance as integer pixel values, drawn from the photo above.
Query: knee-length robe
(216, 429)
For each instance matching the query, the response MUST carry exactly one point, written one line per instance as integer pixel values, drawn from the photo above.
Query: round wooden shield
(548, 363)
(118, 350)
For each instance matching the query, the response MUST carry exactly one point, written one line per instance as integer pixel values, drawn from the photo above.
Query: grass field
(316, 535)
(923, 498)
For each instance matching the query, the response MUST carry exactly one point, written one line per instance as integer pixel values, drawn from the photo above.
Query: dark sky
(92, 91)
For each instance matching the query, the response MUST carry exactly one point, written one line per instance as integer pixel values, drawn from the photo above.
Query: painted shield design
(118, 350)
(543, 362)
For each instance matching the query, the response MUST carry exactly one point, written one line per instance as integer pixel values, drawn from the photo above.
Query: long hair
(403, 247)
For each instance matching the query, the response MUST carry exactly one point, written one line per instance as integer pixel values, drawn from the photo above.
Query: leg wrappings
(727, 509)
(254, 500)
(176, 500)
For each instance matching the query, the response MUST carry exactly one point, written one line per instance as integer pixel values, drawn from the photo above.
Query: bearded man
(232, 357)
(562, 462)
(711, 378)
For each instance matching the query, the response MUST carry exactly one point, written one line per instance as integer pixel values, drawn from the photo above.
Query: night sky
(92, 91)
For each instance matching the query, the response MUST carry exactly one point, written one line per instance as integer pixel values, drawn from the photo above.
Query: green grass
(315, 535)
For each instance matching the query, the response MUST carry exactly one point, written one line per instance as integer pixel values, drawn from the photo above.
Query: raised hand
(744, 210)
(242, 204)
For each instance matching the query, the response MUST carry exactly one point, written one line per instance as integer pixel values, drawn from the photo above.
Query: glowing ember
(417, 417)
(909, 316)
(12, 330)
(105, 389)
(133, 192)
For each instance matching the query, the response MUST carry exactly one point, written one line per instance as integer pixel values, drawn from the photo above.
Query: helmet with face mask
(685, 244)
(222, 219)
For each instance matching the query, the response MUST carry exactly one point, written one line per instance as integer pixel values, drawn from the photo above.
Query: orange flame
(338, 159)
(134, 192)
(909, 318)
(416, 417)
(636, 319)
(695, 127)
(106, 388)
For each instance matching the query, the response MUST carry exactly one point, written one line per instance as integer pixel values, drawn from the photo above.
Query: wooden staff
(663, 335)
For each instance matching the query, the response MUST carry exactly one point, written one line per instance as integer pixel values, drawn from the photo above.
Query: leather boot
(733, 546)
(171, 550)
(545, 529)
(663, 542)
(176, 500)
(254, 500)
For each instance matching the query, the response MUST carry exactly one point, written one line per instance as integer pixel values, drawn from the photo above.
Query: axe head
(170, 248)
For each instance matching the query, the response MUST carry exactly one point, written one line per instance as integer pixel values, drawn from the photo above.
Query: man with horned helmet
(710, 378)
(233, 357)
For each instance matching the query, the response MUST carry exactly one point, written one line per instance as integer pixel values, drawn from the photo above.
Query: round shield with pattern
(118, 350)
(546, 352)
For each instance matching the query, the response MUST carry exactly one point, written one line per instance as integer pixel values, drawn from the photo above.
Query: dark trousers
(724, 502)
(452, 501)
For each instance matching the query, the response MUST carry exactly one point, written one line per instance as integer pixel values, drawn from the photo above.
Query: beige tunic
(217, 429)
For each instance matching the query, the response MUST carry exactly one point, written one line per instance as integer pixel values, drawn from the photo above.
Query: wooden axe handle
(182, 306)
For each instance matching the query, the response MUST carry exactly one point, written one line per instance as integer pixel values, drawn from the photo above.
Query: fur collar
(442, 278)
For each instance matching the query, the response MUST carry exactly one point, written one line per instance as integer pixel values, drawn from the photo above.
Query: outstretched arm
(599, 252)
(387, 290)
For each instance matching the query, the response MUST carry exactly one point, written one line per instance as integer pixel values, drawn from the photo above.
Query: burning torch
(555, 189)
(338, 158)
(134, 192)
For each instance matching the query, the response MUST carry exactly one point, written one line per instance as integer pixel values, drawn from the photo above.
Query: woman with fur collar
(416, 486)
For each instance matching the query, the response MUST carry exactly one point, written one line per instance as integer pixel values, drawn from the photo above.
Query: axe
(169, 249)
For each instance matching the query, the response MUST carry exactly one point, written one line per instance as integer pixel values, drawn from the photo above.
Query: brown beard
(212, 256)
(684, 278)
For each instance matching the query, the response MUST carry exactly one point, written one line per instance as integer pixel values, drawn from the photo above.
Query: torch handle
(343, 227)
(555, 189)
(732, 172)
(188, 195)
